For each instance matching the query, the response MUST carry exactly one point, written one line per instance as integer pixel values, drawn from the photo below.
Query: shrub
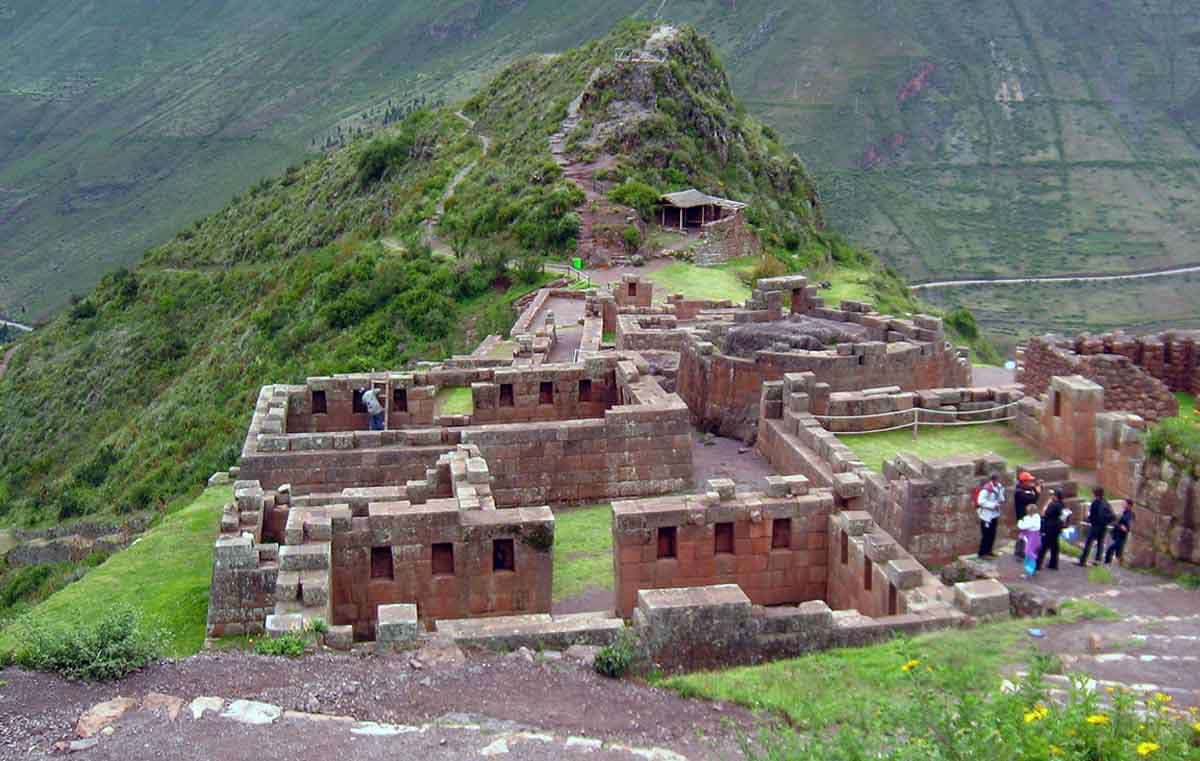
(962, 321)
(1176, 441)
(615, 660)
(111, 647)
(636, 195)
(289, 645)
(632, 237)
(82, 310)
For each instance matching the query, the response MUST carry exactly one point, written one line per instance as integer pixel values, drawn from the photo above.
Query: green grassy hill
(132, 397)
(954, 139)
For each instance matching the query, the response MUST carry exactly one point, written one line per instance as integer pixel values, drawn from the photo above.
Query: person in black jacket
(1028, 492)
(1100, 515)
(1119, 535)
(1053, 522)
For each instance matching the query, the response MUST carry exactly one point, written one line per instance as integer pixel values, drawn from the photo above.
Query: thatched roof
(688, 199)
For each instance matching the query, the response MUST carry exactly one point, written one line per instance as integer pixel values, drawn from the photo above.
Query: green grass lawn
(858, 685)
(937, 443)
(848, 285)
(455, 400)
(582, 550)
(165, 577)
(502, 350)
(704, 283)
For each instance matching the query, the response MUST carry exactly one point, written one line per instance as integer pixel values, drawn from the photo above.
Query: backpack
(975, 495)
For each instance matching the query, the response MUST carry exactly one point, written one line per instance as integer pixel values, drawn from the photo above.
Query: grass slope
(938, 443)
(164, 576)
(719, 283)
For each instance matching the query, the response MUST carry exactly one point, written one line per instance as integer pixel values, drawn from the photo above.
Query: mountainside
(141, 389)
(954, 139)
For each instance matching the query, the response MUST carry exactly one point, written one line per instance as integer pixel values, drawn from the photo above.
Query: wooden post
(916, 422)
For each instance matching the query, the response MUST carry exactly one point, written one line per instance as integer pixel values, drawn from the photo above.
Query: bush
(962, 321)
(110, 648)
(82, 310)
(615, 660)
(636, 195)
(290, 645)
(632, 237)
(1176, 441)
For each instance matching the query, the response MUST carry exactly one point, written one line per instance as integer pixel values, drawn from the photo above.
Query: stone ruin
(441, 524)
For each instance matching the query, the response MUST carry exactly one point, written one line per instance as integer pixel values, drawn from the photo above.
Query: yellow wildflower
(1110, 690)
(1038, 713)
(1161, 698)
(1146, 748)
(910, 665)
(1055, 750)
(1196, 726)
(1097, 718)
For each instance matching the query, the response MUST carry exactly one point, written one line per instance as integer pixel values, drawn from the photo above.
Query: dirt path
(444, 706)
(1152, 646)
(17, 326)
(1058, 278)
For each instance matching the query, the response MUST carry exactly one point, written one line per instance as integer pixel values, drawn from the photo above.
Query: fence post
(916, 422)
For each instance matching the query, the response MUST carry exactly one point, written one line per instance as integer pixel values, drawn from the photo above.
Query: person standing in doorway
(374, 407)
(1100, 515)
(1053, 521)
(988, 501)
(1120, 535)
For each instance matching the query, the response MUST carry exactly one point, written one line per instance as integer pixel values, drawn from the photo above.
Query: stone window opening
(585, 390)
(1057, 403)
(893, 601)
(357, 405)
(781, 534)
(633, 289)
(845, 548)
(443, 559)
(503, 555)
(546, 392)
(399, 400)
(320, 403)
(381, 563)
(667, 536)
(723, 538)
(506, 395)
(862, 359)
(867, 573)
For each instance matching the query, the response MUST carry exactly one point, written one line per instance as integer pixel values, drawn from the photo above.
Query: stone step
(304, 557)
(538, 630)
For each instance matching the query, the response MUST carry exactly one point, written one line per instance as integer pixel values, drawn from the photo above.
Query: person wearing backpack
(1054, 519)
(988, 499)
(1120, 534)
(1100, 515)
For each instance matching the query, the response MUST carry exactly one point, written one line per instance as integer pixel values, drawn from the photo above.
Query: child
(1031, 531)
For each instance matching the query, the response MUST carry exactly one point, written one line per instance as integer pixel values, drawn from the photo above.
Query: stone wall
(872, 574)
(723, 390)
(1166, 527)
(1171, 357)
(1063, 423)
(1128, 387)
(725, 239)
(772, 545)
(883, 408)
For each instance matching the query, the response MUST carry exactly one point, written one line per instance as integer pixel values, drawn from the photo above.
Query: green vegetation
(583, 550)
(23, 587)
(1074, 611)
(290, 645)
(937, 443)
(100, 648)
(613, 661)
(1187, 407)
(714, 283)
(164, 579)
(1100, 575)
(455, 400)
(859, 686)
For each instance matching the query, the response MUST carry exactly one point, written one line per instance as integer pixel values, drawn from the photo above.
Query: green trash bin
(577, 263)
